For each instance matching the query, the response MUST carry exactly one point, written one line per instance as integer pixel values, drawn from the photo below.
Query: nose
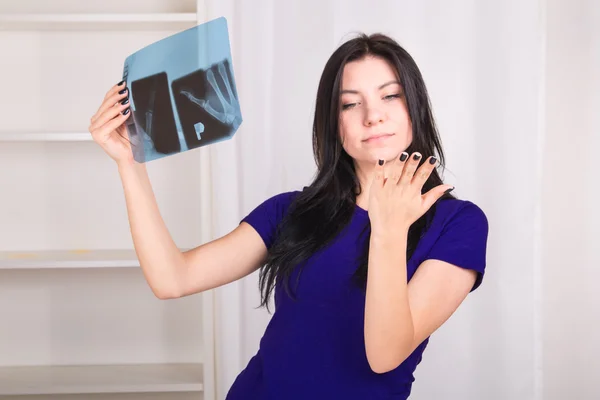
(374, 116)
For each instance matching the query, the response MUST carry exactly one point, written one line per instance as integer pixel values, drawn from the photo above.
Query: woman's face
(374, 121)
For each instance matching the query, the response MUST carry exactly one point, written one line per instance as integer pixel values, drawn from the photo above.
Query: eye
(393, 96)
(347, 106)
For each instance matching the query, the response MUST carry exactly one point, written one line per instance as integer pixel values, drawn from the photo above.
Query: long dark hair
(320, 211)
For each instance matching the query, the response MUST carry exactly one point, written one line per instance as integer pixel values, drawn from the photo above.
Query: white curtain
(515, 89)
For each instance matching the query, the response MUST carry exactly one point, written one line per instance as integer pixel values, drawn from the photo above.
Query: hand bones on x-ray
(230, 105)
(149, 113)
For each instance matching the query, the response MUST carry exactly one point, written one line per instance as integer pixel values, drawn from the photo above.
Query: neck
(364, 174)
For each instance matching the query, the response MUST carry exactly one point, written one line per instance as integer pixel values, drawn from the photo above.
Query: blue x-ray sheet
(182, 92)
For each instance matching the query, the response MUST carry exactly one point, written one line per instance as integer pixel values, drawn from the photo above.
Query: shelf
(77, 318)
(144, 378)
(68, 259)
(45, 137)
(154, 21)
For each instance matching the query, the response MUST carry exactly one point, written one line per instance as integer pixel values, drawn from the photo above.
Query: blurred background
(515, 89)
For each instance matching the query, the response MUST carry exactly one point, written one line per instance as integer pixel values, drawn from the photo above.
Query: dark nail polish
(123, 91)
(380, 162)
(432, 160)
(125, 101)
(120, 83)
(403, 157)
(448, 191)
(416, 157)
(126, 111)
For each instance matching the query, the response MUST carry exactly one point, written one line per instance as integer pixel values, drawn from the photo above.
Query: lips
(378, 136)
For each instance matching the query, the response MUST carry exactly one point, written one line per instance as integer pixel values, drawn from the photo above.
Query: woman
(364, 264)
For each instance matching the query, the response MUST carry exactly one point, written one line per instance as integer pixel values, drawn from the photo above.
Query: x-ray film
(182, 92)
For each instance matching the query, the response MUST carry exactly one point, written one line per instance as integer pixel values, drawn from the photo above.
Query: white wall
(491, 68)
(571, 262)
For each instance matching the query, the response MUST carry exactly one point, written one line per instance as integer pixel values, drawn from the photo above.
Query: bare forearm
(159, 256)
(388, 322)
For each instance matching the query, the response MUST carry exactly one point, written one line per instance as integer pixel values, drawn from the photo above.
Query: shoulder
(284, 197)
(458, 235)
(280, 202)
(452, 212)
(266, 216)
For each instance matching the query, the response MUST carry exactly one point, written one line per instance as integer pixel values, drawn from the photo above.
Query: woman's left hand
(395, 199)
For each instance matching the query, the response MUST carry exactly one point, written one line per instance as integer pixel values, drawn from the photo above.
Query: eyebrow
(379, 88)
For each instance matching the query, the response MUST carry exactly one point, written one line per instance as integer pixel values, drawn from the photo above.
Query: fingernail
(448, 191)
(403, 157)
(126, 111)
(123, 91)
(120, 83)
(416, 157)
(125, 101)
(432, 160)
(380, 162)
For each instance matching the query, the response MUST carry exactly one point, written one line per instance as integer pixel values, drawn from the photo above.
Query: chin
(387, 154)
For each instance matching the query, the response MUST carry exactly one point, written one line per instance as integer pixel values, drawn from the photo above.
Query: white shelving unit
(76, 258)
(39, 21)
(165, 378)
(45, 137)
(77, 317)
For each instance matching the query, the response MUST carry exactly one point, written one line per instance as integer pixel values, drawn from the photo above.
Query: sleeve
(265, 218)
(463, 241)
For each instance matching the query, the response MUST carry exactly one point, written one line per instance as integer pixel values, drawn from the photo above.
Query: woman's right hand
(108, 124)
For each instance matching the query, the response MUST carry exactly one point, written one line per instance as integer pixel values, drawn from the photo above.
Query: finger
(409, 169)
(123, 138)
(388, 168)
(116, 88)
(110, 98)
(118, 95)
(109, 114)
(423, 172)
(102, 133)
(398, 168)
(378, 175)
(435, 194)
